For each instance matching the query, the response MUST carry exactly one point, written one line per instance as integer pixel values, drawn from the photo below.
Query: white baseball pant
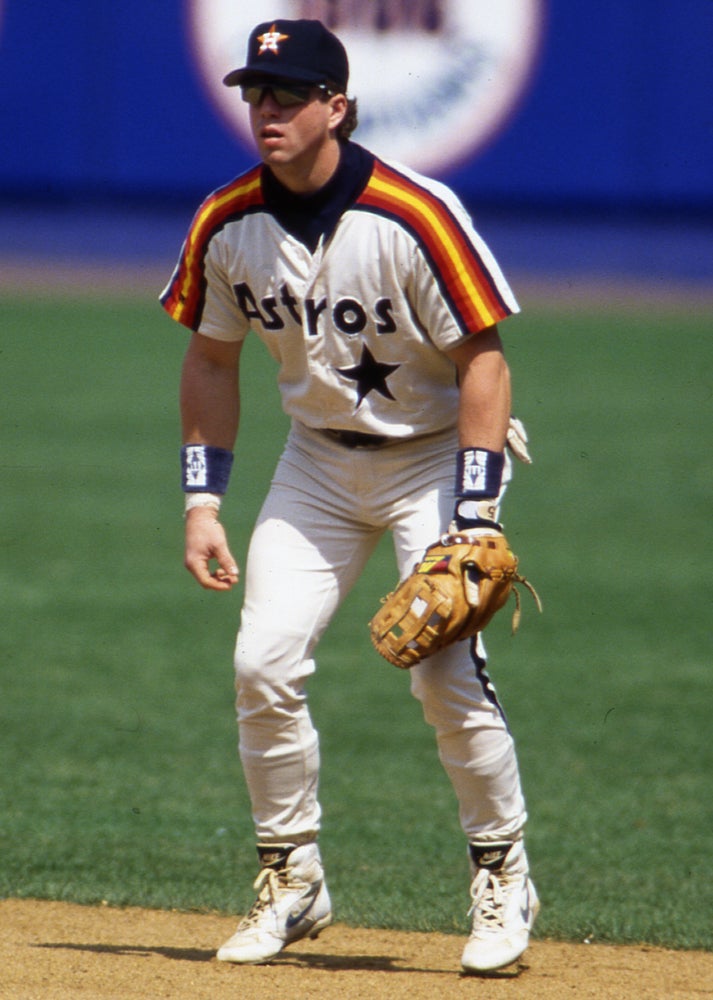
(326, 509)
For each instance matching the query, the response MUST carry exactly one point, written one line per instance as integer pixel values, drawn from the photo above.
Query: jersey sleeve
(199, 294)
(467, 293)
(457, 286)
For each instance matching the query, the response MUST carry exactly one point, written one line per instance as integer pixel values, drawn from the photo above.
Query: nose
(267, 103)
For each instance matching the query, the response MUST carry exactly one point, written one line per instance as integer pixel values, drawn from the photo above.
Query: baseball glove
(460, 583)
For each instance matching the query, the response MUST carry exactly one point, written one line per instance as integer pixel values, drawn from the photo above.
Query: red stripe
(462, 275)
(185, 295)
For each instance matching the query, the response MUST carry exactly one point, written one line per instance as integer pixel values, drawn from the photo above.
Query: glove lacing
(518, 602)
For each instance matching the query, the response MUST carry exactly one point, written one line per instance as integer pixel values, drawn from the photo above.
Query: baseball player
(380, 304)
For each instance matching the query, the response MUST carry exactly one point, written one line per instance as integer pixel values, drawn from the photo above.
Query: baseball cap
(303, 50)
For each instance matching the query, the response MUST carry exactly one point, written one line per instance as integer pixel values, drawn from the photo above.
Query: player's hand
(206, 544)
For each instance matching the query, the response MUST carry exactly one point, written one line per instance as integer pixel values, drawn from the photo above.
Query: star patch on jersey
(369, 374)
(270, 41)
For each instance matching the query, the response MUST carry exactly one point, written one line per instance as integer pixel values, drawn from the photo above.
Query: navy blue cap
(304, 51)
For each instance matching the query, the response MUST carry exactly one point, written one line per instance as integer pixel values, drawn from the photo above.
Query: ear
(338, 109)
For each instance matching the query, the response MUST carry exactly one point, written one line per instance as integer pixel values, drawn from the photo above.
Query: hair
(351, 118)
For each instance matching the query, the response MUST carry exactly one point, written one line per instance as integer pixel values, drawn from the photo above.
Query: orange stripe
(465, 280)
(185, 294)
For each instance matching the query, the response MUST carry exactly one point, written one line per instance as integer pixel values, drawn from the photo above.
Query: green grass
(119, 779)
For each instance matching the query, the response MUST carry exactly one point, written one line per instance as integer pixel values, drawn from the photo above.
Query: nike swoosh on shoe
(294, 917)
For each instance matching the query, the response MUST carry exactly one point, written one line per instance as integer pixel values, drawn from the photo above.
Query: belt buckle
(357, 439)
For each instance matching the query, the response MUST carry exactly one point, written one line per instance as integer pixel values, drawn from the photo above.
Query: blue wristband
(205, 469)
(479, 479)
(479, 473)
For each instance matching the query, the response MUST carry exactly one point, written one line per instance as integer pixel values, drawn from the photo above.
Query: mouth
(270, 135)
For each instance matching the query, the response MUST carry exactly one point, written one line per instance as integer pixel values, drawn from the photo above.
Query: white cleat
(504, 908)
(292, 903)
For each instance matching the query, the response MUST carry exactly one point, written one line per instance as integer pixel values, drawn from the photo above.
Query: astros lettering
(348, 315)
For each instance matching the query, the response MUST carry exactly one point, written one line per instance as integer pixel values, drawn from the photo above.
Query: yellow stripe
(194, 244)
(399, 193)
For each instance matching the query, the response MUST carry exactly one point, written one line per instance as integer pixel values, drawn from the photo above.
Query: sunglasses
(286, 95)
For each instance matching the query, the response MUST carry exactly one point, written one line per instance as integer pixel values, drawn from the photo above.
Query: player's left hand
(461, 582)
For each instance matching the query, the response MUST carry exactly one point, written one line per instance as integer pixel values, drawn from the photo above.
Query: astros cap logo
(270, 41)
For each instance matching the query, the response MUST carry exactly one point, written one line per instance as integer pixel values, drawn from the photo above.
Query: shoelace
(488, 899)
(268, 885)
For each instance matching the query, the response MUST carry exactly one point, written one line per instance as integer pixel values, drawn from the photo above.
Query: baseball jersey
(357, 304)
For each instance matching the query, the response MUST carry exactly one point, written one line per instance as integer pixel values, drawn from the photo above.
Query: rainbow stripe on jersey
(185, 293)
(463, 278)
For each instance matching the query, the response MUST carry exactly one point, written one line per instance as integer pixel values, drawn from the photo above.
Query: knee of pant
(257, 695)
(256, 684)
(449, 689)
(248, 668)
(266, 680)
(259, 653)
(439, 675)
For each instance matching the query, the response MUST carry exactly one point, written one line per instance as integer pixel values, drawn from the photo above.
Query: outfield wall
(106, 98)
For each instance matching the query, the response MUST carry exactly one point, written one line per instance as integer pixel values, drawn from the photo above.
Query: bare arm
(210, 395)
(485, 400)
(210, 411)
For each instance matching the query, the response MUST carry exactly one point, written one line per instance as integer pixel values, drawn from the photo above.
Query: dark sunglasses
(286, 95)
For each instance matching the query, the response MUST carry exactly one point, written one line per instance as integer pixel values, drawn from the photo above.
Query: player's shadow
(346, 963)
(370, 963)
(382, 963)
(309, 960)
(177, 954)
(354, 963)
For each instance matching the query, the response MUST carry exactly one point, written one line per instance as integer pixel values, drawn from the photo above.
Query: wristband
(479, 478)
(205, 469)
(479, 473)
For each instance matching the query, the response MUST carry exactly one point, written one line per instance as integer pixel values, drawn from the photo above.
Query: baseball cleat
(292, 903)
(504, 908)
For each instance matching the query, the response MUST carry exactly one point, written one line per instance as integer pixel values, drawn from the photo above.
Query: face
(298, 143)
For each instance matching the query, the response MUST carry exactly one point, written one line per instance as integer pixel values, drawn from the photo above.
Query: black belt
(355, 439)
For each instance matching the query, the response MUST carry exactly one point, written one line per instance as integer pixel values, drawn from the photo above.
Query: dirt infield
(58, 951)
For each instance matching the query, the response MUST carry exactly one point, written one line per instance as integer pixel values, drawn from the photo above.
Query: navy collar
(311, 216)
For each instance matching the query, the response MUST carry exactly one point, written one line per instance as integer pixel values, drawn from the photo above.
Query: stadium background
(605, 166)
(119, 780)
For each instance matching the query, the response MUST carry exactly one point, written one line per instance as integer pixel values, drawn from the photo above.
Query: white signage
(436, 80)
